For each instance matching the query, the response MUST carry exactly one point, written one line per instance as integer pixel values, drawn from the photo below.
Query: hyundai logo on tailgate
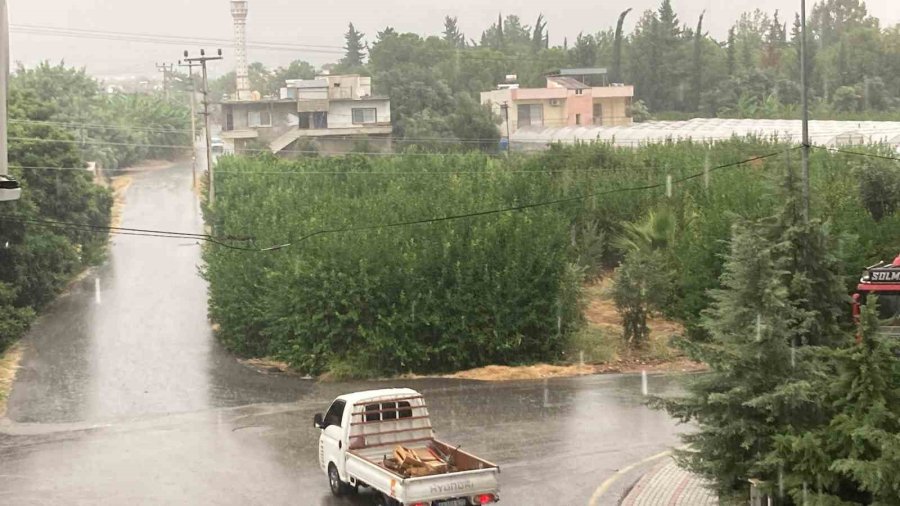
(459, 486)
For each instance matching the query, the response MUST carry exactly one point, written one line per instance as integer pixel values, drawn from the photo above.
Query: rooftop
(585, 71)
(568, 83)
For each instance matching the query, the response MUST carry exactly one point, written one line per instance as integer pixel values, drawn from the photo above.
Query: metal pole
(10, 189)
(165, 69)
(505, 108)
(209, 164)
(804, 97)
(190, 67)
(202, 59)
(4, 75)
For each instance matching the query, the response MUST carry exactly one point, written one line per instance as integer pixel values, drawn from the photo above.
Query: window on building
(598, 114)
(261, 118)
(577, 119)
(364, 115)
(320, 119)
(579, 92)
(229, 121)
(530, 115)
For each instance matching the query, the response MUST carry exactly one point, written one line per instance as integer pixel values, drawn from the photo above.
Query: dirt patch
(268, 366)
(678, 364)
(119, 186)
(601, 311)
(542, 371)
(537, 371)
(9, 364)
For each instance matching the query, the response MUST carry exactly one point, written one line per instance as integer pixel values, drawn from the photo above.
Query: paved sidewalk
(669, 485)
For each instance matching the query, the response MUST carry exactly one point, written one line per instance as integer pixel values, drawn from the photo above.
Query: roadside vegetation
(353, 297)
(791, 401)
(59, 119)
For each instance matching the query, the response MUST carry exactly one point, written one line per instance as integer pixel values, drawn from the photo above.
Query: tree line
(678, 69)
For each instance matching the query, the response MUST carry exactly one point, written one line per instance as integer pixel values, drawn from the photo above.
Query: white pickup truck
(360, 430)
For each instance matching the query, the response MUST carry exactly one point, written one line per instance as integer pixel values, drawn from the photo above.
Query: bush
(431, 297)
(38, 259)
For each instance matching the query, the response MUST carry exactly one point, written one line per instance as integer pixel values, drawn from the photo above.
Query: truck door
(331, 442)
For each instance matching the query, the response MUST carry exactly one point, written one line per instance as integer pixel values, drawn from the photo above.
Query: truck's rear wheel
(338, 487)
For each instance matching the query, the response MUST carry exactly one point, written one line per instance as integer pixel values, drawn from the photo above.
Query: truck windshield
(889, 309)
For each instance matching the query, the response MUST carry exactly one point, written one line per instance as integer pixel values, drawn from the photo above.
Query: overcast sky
(323, 23)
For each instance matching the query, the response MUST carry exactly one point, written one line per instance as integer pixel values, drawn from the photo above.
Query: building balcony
(368, 129)
(246, 133)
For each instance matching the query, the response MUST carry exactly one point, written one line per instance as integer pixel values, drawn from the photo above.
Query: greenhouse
(822, 133)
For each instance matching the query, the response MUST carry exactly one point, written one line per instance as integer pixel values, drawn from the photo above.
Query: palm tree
(656, 232)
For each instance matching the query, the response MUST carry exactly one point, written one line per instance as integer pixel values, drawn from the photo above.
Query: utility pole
(804, 98)
(166, 69)
(505, 108)
(10, 189)
(202, 59)
(190, 66)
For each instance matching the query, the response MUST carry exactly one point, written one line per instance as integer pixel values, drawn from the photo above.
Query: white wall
(496, 98)
(340, 112)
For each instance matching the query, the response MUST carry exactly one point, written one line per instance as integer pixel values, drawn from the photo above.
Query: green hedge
(440, 296)
(501, 288)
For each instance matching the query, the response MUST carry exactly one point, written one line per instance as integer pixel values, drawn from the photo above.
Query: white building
(333, 113)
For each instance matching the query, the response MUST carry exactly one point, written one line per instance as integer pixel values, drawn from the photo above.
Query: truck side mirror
(317, 421)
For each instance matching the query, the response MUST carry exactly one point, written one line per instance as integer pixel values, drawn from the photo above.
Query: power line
(87, 126)
(612, 140)
(464, 53)
(519, 207)
(185, 146)
(166, 39)
(73, 169)
(219, 240)
(165, 234)
(483, 172)
(401, 140)
(858, 153)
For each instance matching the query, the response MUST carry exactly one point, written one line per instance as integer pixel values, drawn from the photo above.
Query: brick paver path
(669, 485)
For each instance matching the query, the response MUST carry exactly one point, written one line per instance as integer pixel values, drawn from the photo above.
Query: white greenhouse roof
(822, 133)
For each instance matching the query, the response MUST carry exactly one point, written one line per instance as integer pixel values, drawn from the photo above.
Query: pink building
(566, 101)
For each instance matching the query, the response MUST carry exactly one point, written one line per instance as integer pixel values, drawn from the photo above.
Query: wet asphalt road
(124, 397)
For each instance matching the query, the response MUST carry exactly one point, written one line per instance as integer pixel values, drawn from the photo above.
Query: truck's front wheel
(338, 487)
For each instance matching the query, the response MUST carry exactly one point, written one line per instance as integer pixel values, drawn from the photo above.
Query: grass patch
(599, 345)
(9, 364)
(603, 344)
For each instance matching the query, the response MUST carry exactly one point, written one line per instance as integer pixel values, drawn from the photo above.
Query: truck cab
(359, 432)
(883, 280)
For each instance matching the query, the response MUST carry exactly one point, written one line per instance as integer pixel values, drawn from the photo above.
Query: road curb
(666, 484)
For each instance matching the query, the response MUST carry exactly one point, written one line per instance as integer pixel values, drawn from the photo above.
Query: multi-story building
(565, 101)
(331, 114)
